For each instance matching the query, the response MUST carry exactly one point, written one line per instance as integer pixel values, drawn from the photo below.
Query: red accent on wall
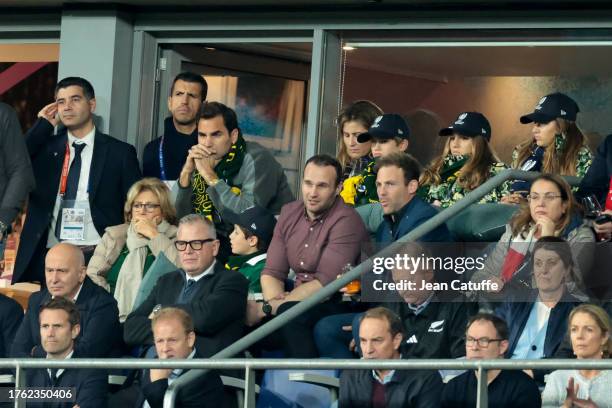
(17, 73)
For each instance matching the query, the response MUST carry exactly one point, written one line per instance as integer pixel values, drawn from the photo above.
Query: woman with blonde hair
(557, 147)
(354, 120)
(551, 210)
(126, 251)
(589, 330)
(466, 162)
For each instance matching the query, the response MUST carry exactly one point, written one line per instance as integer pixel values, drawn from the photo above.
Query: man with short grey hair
(213, 296)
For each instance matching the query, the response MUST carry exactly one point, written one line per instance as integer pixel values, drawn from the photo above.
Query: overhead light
(348, 48)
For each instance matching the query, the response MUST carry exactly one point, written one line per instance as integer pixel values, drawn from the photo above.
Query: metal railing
(261, 332)
(251, 365)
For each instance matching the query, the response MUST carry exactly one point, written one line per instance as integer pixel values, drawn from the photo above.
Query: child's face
(240, 244)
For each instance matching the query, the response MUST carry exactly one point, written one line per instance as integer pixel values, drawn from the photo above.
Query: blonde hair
(161, 191)
(473, 173)
(564, 161)
(522, 219)
(601, 319)
(169, 313)
(364, 112)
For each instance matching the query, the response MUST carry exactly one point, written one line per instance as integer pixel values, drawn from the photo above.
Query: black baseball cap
(551, 107)
(257, 220)
(470, 124)
(387, 126)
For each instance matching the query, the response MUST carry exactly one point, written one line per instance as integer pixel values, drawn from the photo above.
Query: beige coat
(112, 243)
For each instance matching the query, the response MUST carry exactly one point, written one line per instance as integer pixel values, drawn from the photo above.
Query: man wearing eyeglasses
(213, 296)
(486, 337)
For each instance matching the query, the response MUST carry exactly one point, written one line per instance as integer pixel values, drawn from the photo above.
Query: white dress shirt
(91, 234)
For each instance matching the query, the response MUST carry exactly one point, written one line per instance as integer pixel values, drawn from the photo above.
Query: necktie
(189, 286)
(53, 373)
(72, 183)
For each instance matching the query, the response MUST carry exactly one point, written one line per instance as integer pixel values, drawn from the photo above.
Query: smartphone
(603, 219)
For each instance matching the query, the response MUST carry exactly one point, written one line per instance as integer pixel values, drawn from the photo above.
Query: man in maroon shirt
(315, 237)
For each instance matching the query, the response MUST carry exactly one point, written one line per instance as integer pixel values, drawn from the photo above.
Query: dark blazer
(114, 168)
(91, 386)
(100, 330)
(11, 315)
(597, 179)
(206, 391)
(517, 313)
(413, 214)
(407, 389)
(218, 309)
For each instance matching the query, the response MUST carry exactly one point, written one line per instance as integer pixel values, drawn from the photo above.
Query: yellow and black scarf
(226, 170)
(361, 189)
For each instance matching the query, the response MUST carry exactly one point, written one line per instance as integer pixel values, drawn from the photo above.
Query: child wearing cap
(354, 120)
(253, 230)
(466, 162)
(558, 146)
(388, 134)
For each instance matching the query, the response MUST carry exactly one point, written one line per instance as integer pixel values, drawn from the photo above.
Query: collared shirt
(386, 379)
(315, 249)
(416, 309)
(91, 234)
(61, 370)
(531, 342)
(209, 271)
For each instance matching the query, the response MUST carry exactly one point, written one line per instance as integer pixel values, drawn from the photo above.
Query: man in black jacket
(164, 156)
(174, 336)
(100, 333)
(82, 179)
(213, 296)
(11, 315)
(16, 177)
(59, 327)
(380, 336)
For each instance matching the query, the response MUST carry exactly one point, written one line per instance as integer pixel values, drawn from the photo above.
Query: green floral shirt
(584, 161)
(449, 191)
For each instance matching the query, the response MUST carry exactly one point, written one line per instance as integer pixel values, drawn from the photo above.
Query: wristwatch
(266, 308)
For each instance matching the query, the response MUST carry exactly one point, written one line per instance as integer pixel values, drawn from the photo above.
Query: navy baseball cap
(551, 107)
(387, 126)
(257, 220)
(470, 124)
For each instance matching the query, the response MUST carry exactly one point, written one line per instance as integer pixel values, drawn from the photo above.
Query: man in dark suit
(213, 296)
(11, 315)
(82, 178)
(174, 336)
(100, 333)
(59, 327)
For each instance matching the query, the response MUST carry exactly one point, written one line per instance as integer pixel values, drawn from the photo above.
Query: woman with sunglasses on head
(126, 251)
(589, 331)
(550, 211)
(466, 162)
(355, 119)
(557, 147)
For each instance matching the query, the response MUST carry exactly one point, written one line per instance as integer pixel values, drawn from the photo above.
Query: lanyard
(65, 166)
(162, 171)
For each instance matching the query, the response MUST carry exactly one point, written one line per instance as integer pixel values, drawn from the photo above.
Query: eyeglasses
(482, 342)
(548, 197)
(196, 244)
(148, 207)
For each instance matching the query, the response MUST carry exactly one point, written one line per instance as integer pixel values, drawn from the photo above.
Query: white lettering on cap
(539, 105)
(376, 121)
(563, 113)
(484, 132)
(253, 226)
(400, 132)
